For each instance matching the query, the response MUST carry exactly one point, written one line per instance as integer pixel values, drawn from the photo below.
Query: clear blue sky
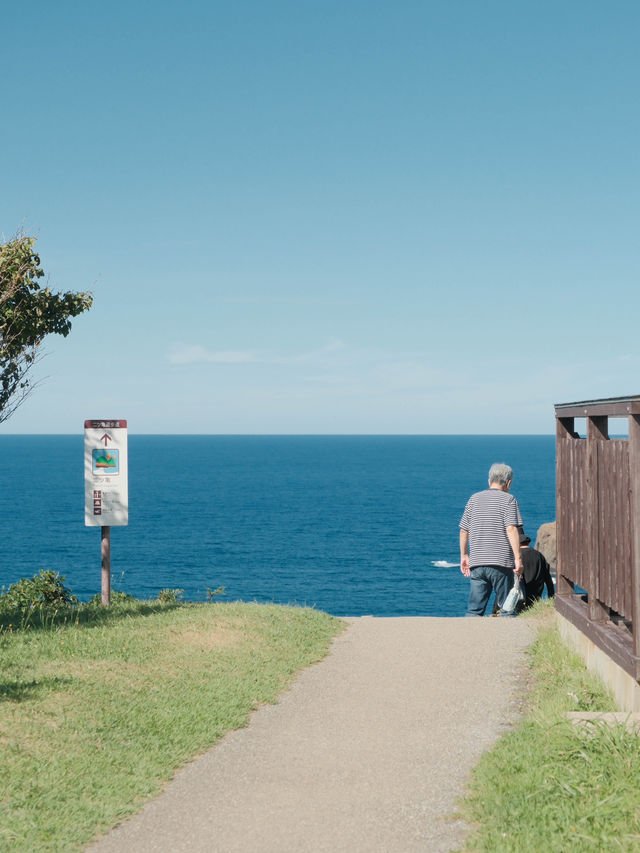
(327, 217)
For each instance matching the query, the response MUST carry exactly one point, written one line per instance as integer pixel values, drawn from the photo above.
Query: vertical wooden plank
(564, 430)
(621, 572)
(627, 533)
(603, 518)
(579, 510)
(615, 553)
(609, 518)
(597, 432)
(574, 542)
(621, 486)
(617, 482)
(634, 490)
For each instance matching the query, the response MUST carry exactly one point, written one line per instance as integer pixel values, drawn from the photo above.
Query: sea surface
(352, 525)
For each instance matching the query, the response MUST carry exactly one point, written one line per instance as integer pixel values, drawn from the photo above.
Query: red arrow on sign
(106, 438)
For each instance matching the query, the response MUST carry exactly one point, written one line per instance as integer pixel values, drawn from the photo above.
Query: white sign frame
(106, 475)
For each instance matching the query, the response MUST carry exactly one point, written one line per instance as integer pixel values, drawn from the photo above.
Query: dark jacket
(536, 574)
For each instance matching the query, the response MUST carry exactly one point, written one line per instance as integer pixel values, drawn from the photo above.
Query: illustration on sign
(106, 462)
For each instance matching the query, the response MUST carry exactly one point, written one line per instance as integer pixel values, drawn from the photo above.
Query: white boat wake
(443, 564)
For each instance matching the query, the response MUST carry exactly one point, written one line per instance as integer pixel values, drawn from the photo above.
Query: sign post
(105, 543)
(106, 488)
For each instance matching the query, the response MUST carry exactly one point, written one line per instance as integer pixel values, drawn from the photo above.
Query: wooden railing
(598, 526)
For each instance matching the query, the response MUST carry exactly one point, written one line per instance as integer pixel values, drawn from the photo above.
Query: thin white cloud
(406, 373)
(336, 365)
(199, 354)
(321, 356)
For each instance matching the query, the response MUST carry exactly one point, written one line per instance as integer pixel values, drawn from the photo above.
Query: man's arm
(464, 555)
(514, 541)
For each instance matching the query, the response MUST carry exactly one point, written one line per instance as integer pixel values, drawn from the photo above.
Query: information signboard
(106, 488)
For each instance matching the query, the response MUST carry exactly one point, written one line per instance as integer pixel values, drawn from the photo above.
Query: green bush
(170, 596)
(117, 597)
(46, 589)
(212, 593)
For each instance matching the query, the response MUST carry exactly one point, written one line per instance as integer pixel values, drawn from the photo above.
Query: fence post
(564, 431)
(634, 483)
(597, 432)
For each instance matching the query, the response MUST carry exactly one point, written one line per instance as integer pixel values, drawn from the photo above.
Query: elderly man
(490, 541)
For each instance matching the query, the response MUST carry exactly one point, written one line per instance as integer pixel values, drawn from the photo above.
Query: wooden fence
(598, 526)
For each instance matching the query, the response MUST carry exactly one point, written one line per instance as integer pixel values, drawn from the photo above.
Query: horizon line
(308, 434)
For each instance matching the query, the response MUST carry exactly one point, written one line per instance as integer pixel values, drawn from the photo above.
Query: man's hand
(464, 565)
(464, 553)
(514, 540)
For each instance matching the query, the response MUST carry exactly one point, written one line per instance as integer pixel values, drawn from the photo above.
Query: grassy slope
(546, 787)
(95, 717)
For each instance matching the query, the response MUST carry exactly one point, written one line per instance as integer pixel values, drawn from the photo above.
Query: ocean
(352, 525)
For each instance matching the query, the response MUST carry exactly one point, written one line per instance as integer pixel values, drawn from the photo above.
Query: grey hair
(500, 473)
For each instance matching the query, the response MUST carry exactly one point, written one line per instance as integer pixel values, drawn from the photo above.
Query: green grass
(548, 787)
(98, 709)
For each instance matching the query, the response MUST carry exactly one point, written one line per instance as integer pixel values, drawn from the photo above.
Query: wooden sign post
(106, 489)
(106, 566)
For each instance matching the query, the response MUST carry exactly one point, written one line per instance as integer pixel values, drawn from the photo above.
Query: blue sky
(327, 217)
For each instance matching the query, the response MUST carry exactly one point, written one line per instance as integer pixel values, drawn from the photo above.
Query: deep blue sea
(352, 525)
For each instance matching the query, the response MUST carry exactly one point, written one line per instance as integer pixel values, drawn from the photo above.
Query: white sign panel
(106, 487)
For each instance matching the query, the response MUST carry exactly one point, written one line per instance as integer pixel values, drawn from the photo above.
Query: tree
(28, 313)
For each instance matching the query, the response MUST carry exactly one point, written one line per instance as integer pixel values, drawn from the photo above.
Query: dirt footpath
(367, 752)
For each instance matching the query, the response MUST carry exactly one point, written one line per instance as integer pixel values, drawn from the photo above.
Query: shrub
(170, 596)
(117, 597)
(212, 593)
(46, 589)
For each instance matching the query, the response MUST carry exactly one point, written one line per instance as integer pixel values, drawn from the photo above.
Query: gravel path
(367, 752)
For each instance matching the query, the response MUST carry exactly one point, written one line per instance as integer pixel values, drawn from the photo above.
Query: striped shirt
(486, 518)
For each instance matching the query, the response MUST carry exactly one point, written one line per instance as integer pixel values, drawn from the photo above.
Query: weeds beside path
(547, 787)
(96, 715)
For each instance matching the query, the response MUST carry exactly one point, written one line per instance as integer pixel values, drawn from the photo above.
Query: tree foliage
(28, 312)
